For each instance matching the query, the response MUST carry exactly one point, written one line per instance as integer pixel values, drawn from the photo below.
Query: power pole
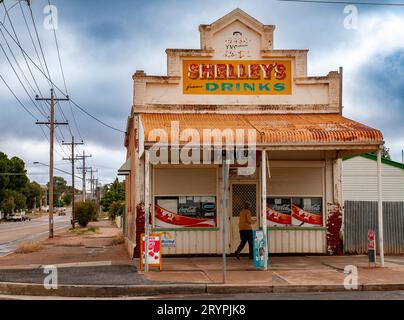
(51, 125)
(73, 160)
(97, 194)
(84, 168)
(92, 180)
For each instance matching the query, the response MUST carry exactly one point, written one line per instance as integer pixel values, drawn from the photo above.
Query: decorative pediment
(237, 35)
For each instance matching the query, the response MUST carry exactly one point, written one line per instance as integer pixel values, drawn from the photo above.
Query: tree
(17, 182)
(4, 179)
(67, 199)
(59, 188)
(33, 192)
(115, 209)
(13, 200)
(385, 153)
(8, 205)
(114, 192)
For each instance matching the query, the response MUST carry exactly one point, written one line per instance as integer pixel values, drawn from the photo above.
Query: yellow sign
(237, 77)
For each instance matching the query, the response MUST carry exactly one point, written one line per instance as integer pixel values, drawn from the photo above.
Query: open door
(240, 193)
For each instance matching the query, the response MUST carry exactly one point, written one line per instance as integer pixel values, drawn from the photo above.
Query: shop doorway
(240, 193)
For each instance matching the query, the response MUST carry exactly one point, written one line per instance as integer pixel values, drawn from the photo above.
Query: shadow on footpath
(101, 275)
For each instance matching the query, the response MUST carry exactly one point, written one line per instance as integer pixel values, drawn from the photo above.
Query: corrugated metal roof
(270, 128)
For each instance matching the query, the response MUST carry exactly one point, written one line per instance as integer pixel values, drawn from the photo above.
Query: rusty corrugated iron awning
(282, 129)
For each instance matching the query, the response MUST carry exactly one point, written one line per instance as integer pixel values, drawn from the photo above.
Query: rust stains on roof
(269, 128)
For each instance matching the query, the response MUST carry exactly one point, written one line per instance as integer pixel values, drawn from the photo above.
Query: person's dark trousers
(246, 236)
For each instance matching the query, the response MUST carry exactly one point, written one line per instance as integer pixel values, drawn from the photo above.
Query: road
(344, 295)
(361, 295)
(14, 233)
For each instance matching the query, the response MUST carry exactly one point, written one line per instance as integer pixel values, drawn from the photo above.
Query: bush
(86, 212)
(115, 210)
(28, 247)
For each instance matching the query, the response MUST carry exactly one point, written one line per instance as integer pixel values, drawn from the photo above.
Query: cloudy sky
(103, 42)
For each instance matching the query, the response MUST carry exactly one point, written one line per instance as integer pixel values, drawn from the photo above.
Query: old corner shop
(302, 139)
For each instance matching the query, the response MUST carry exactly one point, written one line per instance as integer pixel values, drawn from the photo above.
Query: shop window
(301, 212)
(185, 212)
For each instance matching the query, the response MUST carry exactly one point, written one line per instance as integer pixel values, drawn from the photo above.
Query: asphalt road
(367, 295)
(14, 233)
(345, 295)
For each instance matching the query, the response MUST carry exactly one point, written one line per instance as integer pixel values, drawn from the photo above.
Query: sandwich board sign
(155, 259)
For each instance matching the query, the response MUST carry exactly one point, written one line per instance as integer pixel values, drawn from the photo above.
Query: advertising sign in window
(302, 212)
(279, 212)
(185, 212)
(307, 212)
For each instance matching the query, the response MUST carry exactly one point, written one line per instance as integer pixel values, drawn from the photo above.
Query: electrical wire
(19, 101)
(347, 2)
(25, 58)
(16, 73)
(64, 94)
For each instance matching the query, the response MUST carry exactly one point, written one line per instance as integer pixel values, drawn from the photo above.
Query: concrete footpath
(185, 276)
(92, 262)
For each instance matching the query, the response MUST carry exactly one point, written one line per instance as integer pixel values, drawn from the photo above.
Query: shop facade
(238, 98)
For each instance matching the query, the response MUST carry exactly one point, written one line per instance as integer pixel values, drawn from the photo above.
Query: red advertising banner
(279, 212)
(307, 212)
(301, 212)
(168, 219)
(276, 218)
(303, 217)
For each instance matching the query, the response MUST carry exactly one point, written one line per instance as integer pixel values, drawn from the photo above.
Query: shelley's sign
(237, 77)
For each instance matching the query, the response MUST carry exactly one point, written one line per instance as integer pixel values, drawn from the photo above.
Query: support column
(334, 203)
(225, 185)
(147, 207)
(264, 205)
(380, 206)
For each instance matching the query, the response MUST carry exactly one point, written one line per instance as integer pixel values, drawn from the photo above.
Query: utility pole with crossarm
(51, 125)
(73, 159)
(84, 168)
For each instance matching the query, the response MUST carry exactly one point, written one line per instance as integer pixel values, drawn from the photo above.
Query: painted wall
(237, 37)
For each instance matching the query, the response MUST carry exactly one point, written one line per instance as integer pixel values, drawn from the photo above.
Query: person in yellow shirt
(246, 230)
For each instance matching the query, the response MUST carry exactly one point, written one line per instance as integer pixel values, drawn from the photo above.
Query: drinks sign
(237, 77)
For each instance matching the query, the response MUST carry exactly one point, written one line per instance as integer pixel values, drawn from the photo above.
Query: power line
(26, 109)
(15, 72)
(19, 101)
(40, 46)
(30, 34)
(61, 91)
(346, 2)
(33, 90)
(63, 76)
(25, 59)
